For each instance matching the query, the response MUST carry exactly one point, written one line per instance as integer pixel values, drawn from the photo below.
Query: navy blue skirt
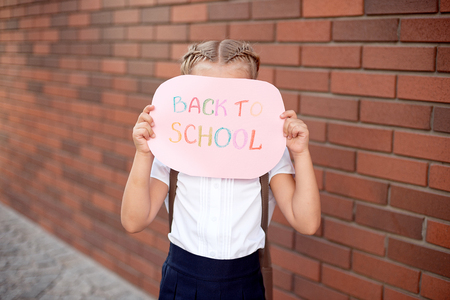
(190, 277)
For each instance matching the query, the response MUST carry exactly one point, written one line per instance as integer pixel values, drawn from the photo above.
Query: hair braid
(245, 53)
(197, 53)
(226, 51)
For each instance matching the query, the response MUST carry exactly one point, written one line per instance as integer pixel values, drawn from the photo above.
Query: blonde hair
(223, 52)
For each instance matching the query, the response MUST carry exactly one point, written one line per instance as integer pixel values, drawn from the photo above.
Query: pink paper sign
(218, 127)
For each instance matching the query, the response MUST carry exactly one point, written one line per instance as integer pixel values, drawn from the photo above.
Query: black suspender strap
(264, 254)
(172, 190)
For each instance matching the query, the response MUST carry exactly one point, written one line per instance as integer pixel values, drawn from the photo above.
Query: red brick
(331, 8)
(139, 67)
(445, 6)
(390, 294)
(333, 157)
(156, 51)
(360, 137)
(356, 187)
(202, 32)
(354, 236)
(422, 146)
(143, 267)
(441, 119)
(127, 118)
(171, 32)
(311, 290)
(142, 2)
(317, 129)
(89, 34)
(429, 204)
(279, 217)
(127, 273)
(154, 15)
(291, 101)
(438, 234)
(323, 250)
(167, 69)
(426, 88)
(371, 30)
(149, 285)
(114, 66)
(440, 177)
(386, 7)
(53, 35)
(171, 1)
(125, 84)
(295, 263)
(399, 58)
(302, 80)
(255, 31)
(79, 19)
(113, 3)
(336, 206)
(304, 31)
(443, 59)
(334, 108)
(276, 9)
(351, 284)
(281, 235)
(363, 84)
(393, 168)
(331, 56)
(140, 33)
(425, 30)
(229, 11)
(266, 74)
(105, 203)
(386, 272)
(41, 48)
(390, 221)
(434, 288)
(287, 55)
(419, 256)
(113, 33)
(127, 16)
(126, 49)
(91, 153)
(189, 13)
(396, 114)
(69, 63)
(282, 278)
(90, 4)
(282, 295)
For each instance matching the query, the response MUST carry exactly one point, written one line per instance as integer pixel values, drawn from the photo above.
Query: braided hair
(224, 52)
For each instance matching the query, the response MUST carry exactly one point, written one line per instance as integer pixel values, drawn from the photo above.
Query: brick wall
(370, 78)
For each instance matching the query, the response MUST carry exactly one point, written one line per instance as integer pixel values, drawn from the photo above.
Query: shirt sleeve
(284, 166)
(160, 171)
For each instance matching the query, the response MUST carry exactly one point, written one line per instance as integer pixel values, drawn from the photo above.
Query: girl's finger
(145, 115)
(287, 123)
(144, 129)
(145, 118)
(289, 114)
(148, 109)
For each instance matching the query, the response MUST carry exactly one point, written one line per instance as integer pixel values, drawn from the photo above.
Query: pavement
(36, 265)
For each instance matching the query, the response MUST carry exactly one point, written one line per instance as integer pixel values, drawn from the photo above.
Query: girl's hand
(296, 132)
(143, 130)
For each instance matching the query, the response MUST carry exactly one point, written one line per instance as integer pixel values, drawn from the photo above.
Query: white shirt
(216, 217)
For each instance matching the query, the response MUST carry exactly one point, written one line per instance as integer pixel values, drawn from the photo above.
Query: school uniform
(216, 232)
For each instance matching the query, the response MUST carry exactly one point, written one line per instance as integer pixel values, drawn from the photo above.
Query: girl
(216, 229)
